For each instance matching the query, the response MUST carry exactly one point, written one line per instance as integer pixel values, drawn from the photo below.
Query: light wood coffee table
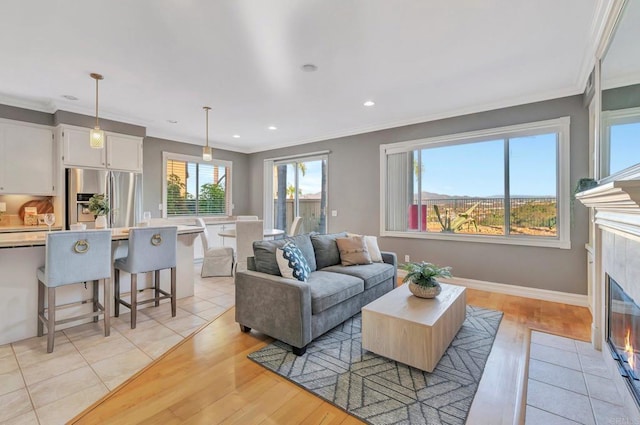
(412, 330)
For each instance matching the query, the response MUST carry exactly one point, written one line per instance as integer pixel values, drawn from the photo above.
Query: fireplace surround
(615, 244)
(623, 335)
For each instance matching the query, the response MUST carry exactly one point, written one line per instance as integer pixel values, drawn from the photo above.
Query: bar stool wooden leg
(116, 291)
(173, 292)
(51, 318)
(157, 287)
(40, 308)
(107, 307)
(134, 302)
(96, 299)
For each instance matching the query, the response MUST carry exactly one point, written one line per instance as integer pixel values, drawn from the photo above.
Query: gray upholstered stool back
(150, 248)
(73, 257)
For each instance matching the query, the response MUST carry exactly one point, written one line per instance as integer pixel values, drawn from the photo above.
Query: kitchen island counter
(37, 238)
(23, 252)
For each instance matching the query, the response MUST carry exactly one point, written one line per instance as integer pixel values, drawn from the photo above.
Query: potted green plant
(99, 207)
(421, 277)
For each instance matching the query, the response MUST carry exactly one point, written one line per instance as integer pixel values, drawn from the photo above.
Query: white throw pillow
(372, 247)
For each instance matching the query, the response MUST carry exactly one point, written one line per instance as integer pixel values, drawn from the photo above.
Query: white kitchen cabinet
(26, 159)
(120, 152)
(77, 152)
(124, 152)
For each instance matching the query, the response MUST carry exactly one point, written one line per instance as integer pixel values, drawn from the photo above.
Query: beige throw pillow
(372, 247)
(353, 251)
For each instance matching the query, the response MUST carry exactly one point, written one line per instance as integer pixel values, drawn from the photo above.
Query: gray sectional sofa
(297, 312)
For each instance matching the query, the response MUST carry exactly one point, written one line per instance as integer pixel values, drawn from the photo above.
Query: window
(297, 187)
(506, 185)
(193, 187)
(620, 147)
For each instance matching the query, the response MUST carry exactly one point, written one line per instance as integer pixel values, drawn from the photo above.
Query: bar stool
(151, 249)
(74, 257)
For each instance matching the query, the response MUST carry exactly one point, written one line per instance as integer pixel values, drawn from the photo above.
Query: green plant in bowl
(424, 273)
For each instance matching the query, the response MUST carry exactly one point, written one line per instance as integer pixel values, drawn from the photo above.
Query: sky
(477, 169)
(311, 182)
(625, 146)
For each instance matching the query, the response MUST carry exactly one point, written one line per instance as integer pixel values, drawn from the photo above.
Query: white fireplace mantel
(617, 206)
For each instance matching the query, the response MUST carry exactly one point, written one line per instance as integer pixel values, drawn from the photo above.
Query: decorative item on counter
(31, 216)
(99, 207)
(421, 277)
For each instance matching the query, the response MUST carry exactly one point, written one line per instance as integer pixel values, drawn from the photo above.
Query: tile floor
(41, 388)
(569, 383)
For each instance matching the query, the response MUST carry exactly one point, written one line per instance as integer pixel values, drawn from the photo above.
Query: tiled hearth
(570, 383)
(41, 388)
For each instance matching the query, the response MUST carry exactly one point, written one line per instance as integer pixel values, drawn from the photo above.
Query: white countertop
(23, 228)
(25, 239)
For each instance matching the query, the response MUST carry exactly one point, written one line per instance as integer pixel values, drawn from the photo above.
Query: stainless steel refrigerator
(123, 189)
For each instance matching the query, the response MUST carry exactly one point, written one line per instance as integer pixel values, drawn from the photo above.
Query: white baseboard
(519, 291)
(522, 291)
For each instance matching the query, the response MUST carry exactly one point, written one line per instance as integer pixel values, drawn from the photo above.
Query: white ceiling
(417, 59)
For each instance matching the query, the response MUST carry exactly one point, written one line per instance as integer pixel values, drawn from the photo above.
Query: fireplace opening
(623, 335)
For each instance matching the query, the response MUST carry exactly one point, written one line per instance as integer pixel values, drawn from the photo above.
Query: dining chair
(151, 249)
(296, 226)
(74, 257)
(217, 260)
(246, 233)
(247, 218)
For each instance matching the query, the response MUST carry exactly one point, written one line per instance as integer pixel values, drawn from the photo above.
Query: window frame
(561, 126)
(609, 119)
(170, 156)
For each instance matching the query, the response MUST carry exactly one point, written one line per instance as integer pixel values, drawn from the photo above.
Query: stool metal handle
(81, 246)
(156, 239)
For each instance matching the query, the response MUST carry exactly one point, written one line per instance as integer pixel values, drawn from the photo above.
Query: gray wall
(26, 115)
(621, 98)
(354, 187)
(152, 172)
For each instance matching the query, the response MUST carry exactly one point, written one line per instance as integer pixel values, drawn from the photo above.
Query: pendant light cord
(206, 108)
(97, 124)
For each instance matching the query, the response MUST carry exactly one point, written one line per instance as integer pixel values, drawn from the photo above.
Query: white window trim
(191, 158)
(267, 191)
(559, 125)
(610, 118)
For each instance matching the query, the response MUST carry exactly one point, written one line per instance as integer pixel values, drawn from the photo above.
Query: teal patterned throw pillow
(292, 262)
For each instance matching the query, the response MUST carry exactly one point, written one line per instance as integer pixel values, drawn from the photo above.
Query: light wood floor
(209, 380)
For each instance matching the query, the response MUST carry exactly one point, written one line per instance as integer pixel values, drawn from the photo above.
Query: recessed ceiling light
(69, 97)
(172, 121)
(369, 103)
(273, 127)
(236, 136)
(309, 67)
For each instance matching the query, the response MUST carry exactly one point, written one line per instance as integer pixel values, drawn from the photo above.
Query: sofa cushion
(372, 246)
(326, 249)
(264, 253)
(329, 289)
(292, 263)
(353, 251)
(372, 274)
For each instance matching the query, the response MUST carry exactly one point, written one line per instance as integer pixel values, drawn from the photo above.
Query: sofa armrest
(391, 258)
(278, 307)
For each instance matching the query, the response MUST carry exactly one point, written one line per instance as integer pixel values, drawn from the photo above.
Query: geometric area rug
(378, 390)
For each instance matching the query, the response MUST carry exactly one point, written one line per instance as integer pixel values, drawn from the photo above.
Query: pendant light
(96, 136)
(207, 153)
